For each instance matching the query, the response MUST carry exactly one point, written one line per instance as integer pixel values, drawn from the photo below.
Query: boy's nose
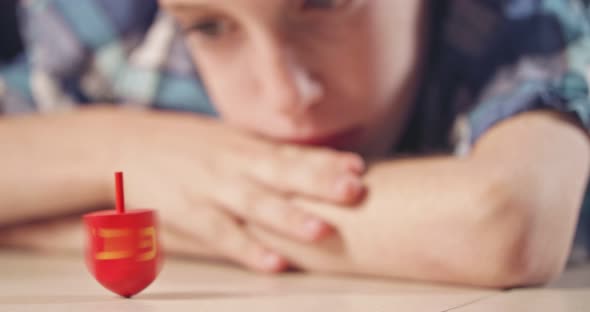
(286, 84)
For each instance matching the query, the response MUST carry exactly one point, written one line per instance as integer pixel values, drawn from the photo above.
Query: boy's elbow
(520, 269)
(513, 255)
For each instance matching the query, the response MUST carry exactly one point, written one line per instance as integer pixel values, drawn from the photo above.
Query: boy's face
(339, 73)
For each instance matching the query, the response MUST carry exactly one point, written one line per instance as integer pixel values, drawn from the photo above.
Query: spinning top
(122, 251)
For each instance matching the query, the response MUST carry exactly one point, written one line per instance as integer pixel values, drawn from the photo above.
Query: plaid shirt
(489, 60)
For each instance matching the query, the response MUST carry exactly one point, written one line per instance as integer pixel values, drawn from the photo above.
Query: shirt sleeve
(15, 91)
(541, 60)
(65, 40)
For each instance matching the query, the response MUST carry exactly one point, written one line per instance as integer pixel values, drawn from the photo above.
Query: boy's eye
(210, 27)
(323, 4)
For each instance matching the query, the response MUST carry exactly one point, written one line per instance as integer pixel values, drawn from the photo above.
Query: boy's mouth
(337, 140)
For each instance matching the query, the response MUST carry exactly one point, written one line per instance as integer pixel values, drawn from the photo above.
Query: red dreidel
(122, 251)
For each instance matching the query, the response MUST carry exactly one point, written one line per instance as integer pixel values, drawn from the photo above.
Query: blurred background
(10, 41)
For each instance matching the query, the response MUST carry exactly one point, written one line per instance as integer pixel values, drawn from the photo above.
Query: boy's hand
(207, 178)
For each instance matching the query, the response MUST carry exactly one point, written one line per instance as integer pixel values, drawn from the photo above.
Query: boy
(317, 102)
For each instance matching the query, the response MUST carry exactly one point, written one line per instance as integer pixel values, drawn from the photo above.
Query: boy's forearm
(59, 235)
(504, 216)
(57, 164)
(443, 221)
(66, 235)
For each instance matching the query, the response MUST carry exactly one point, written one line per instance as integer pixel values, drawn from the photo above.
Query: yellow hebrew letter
(114, 246)
(148, 240)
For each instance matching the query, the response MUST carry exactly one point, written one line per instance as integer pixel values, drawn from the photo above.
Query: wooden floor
(36, 282)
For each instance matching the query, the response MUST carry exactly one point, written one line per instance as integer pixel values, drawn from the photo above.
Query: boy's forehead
(184, 3)
(189, 3)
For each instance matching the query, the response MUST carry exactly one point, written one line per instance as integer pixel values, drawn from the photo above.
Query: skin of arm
(41, 207)
(503, 216)
(75, 177)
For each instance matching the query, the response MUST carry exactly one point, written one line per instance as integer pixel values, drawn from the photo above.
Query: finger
(329, 256)
(319, 173)
(66, 235)
(330, 213)
(222, 233)
(265, 207)
(179, 243)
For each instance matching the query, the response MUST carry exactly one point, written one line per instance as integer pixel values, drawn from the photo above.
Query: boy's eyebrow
(183, 5)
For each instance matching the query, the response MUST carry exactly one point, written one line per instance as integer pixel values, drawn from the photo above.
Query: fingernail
(313, 228)
(356, 165)
(271, 261)
(350, 187)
